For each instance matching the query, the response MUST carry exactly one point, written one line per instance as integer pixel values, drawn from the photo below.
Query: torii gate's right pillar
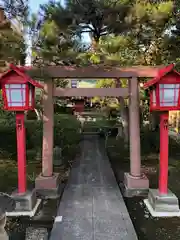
(135, 182)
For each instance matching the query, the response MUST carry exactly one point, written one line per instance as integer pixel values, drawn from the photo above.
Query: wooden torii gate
(134, 181)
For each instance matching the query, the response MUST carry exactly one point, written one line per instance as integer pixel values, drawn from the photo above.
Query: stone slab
(25, 213)
(92, 206)
(24, 201)
(73, 230)
(131, 192)
(36, 233)
(163, 203)
(132, 182)
(53, 193)
(7, 203)
(162, 213)
(47, 183)
(135, 186)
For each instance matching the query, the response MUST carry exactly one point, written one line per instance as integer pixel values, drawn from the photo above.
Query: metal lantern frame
(168, 79)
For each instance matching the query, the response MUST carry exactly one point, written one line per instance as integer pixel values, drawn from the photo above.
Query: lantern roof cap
(21, 72)
(161, 73)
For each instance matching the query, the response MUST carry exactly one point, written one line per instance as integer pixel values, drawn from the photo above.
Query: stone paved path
(92, 207)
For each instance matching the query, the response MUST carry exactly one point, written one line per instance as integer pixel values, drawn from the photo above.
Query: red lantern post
(18, 91)
(164, 142)
(164, 97)
(21, 152)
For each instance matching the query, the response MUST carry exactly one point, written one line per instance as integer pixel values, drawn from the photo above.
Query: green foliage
(66, 136)
(16, 8)
(148, 42)
(5, 114)
(176, 31)
(90, 16)
(116, 149)
(106, 101)
(118, 50)
(150, 143)
(12, 46)
(57, 34)
(123, 33)
(52, 43)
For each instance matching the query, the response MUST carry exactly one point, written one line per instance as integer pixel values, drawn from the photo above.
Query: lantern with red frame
(164, 96)
(18, 90)
(164, 90)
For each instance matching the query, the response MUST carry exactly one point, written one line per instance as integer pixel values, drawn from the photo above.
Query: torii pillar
(135, 182)
(47, 182)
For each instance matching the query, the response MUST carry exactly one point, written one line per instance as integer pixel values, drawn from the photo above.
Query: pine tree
(12, 46)
(16, 9)
(96, 17)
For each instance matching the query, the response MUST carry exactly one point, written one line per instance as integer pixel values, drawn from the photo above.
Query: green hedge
(66, 135)
(150, 144)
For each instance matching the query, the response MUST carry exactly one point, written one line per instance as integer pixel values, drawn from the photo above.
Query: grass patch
(9, 177)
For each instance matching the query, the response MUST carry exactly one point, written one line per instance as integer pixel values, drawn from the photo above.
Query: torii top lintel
(92, 71)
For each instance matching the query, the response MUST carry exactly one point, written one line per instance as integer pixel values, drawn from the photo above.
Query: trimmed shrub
(66, 135)
(149, 141)
(150, 144)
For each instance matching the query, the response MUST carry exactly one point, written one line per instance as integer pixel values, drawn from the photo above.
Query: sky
(34, 4)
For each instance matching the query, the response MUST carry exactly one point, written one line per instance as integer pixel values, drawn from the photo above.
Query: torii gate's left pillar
(47, 182)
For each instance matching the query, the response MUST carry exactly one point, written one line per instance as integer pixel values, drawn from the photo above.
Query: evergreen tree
(12, 45)
(16, 9)
(96, 17)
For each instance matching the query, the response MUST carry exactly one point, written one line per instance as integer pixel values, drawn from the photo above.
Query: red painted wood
(164, 140)
(161, 73)
(21, 152)
(15, 75)
(167, 75)
(18, 108)
(20, 74)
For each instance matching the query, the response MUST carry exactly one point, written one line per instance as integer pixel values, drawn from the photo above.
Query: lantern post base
(27, 204)
(135, 186)
(48, 187)
(166, 205)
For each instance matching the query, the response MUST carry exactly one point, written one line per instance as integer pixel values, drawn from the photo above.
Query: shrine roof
(20, 71)
(161, 73)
